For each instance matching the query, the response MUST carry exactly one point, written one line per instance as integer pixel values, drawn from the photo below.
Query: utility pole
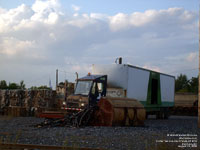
(56, 78)
(199, 76)
(76, 76)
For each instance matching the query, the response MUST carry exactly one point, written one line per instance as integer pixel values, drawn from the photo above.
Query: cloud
(45, 6)
(46, 11)
(151, 18)
(40, 38)
(75, 7)
(193, 56)
(11, 46)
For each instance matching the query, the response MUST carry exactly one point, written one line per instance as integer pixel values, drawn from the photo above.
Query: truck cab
(88, 91)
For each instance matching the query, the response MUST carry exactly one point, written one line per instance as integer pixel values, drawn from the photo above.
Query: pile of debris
(25, 102)
(84, 117)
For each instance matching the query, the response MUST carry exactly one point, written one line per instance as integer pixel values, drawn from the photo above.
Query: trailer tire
(166, 113)
(159, 115)
(146, 115)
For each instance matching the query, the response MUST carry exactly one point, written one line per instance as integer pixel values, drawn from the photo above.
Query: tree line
(21, 85)
(183, 84)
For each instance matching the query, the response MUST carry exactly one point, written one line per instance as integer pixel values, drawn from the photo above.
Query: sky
(39, 36)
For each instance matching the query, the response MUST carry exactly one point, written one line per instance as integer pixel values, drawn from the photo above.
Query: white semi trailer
(154, 90)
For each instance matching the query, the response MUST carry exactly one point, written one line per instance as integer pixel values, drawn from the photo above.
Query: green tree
(40, 87)
(43, 87)
(61, 84)
(33, 88)
(13, 86)
(3, 84)
(193, 82)
(181, 83)
(22, 85)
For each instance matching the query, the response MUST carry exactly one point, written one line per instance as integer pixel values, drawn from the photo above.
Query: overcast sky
(39, 36)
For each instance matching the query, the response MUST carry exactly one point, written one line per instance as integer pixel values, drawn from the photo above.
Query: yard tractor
(91, 105)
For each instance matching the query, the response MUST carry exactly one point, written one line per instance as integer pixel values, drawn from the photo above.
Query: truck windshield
(83, 87)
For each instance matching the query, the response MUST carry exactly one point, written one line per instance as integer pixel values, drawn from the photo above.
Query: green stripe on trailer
(154, 88)
(157, 107)
(164, 104)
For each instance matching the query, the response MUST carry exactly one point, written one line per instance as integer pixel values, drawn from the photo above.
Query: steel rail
(13, 146)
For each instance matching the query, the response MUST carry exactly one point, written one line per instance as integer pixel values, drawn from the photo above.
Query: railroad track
(12, 146)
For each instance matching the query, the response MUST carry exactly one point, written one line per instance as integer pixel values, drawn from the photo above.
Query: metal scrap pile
(30, 100)
(81, 118)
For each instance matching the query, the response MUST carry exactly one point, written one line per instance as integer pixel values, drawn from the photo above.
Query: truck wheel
(146, 115)
(166, 113)
(159, 115)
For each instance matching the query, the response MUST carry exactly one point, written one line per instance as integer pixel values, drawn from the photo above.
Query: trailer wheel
(159, 115)
(146, 115)
(166, 113)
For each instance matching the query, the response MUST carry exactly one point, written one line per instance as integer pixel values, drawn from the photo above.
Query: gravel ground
(21, 130)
